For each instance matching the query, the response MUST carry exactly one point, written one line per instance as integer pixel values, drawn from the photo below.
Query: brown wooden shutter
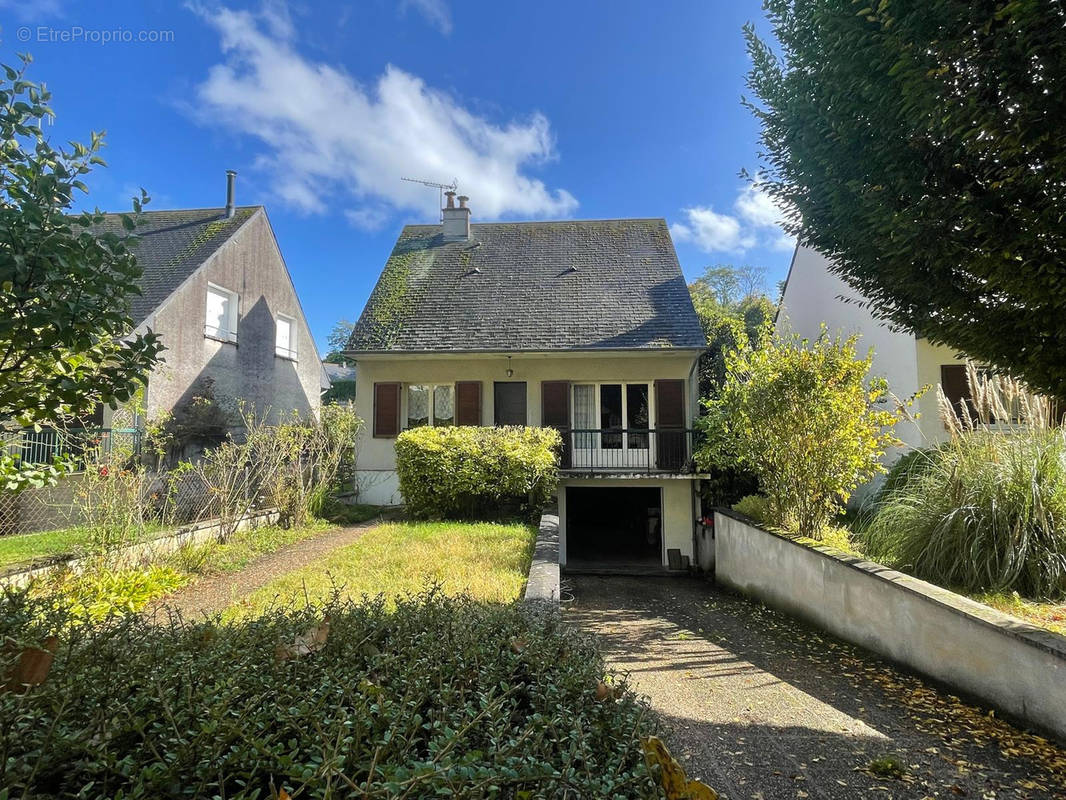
(670, 446)
(386, 410)
(468, 403)
(555, 413)
(956, 387)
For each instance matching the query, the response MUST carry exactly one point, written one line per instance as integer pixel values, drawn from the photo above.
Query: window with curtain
(430, 404)
(443, 404)
(417, 406)
(584, 415)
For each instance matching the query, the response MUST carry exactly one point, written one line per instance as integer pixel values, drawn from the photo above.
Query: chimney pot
(231, 177)
(455, 221)
(450, 203)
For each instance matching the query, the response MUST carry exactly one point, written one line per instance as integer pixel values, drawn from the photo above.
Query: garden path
(759, 706)
(217, 592)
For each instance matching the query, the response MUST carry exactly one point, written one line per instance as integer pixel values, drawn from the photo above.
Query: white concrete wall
(1007, 663)
(679, 514)
(376, 457)
(815, 296)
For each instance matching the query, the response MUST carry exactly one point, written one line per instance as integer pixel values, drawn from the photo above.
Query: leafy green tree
(66, 341)
(338, 342)
(920, 147)
(734, 312)
(807, 420)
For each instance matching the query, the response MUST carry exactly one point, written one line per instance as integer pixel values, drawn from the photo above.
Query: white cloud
(757, 223)
(333, 143)
(436, 13)
(711, 231)
(33, 12)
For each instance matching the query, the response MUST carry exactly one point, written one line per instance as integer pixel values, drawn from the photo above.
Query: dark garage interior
(613, 527)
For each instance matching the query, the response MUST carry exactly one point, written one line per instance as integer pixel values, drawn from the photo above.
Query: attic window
(285, 337)
(221, 314)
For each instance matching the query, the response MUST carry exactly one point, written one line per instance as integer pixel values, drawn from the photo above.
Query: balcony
(628, 451)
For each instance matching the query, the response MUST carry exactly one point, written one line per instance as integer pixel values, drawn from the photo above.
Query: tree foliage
(65, 325)
(919, 146)
(734, 312)
(338, 341)
(807, 420)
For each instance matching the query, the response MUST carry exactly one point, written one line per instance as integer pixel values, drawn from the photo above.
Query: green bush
(477, 473)
(753, 506)
(442, 697)
(985, 513)
(806, 419)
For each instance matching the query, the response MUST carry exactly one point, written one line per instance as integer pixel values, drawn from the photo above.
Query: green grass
(242, 548)
(486, 561)
(26, 547)
(350, 514)
(1045, 615)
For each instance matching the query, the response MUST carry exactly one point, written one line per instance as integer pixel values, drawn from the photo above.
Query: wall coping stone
(542, 584)
(1033, 635)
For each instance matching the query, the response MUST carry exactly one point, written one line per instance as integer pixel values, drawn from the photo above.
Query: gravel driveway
(759, 706)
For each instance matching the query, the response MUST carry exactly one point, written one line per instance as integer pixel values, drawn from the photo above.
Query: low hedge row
(442, 697)
(477, 473)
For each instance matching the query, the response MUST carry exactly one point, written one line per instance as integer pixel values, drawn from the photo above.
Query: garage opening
(614, 527)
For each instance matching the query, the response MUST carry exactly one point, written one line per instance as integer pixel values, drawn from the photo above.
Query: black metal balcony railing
(636, 450)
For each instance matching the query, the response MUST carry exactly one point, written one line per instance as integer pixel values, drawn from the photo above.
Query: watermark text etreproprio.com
(76, 34)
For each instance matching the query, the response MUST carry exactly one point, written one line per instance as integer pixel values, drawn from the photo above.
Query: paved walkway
(758, 706)
(215, 593)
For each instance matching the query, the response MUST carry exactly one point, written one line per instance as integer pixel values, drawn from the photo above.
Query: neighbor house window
(430, 404)
(285, 337)
(221, 318)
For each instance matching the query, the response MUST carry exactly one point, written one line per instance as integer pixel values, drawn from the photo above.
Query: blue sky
(540, 110)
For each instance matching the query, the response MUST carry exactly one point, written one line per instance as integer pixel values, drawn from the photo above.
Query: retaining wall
(1017, 667)
(543, 581)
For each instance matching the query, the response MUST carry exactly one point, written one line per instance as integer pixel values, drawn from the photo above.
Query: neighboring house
(341, 379)
(814, 296)
(585, 326)
(216, 289)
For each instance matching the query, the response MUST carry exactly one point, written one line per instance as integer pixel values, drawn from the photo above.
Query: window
(430, 404)
(221, 318)
(604, 412)
(285, 337)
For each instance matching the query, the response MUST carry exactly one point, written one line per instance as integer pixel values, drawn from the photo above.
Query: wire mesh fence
(76, 500)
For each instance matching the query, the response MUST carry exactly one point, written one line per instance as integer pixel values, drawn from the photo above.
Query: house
(584, 326)
(216, 289)
(341, 379)
(813, 296)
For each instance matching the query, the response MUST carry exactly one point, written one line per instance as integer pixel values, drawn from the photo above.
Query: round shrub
(442, 697)
(985, 512)
(477, 473)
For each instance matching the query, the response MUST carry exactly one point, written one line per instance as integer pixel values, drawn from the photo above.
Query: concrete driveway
(759, 706)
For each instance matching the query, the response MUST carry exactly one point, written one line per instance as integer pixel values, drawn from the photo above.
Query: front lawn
(486, 561)
(102, 590)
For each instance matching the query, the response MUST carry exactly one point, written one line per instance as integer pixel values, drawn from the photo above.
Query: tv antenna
(442, 187)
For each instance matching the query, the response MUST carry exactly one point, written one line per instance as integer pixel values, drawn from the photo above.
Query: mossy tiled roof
(171, 246)
(533, 286)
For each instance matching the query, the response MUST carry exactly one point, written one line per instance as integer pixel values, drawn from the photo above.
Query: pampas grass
(986, 511)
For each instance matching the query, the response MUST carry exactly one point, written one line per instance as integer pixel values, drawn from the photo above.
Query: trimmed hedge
(442, 697)
(477, 473)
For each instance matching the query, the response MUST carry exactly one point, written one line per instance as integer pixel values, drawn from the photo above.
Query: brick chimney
(456, 221)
